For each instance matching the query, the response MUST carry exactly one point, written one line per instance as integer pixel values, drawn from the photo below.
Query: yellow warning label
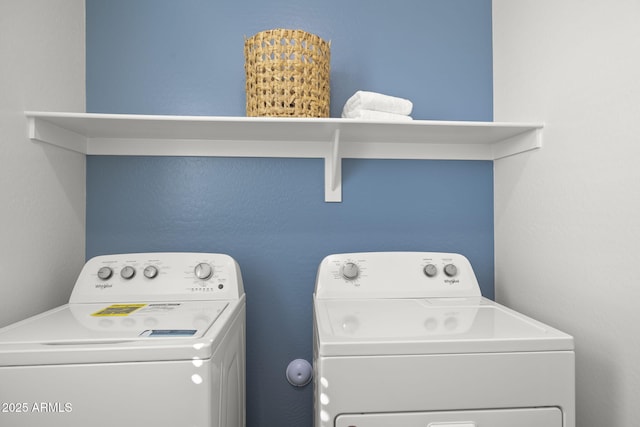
(118, 310)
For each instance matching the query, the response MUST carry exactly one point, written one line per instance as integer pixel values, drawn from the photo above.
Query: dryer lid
(360, 327)
(109, 332)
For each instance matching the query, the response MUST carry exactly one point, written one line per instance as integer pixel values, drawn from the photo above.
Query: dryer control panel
(396, 275)
(162, 276)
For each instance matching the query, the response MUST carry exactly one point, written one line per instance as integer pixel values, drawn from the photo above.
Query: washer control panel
(396, 275)
(162, 276)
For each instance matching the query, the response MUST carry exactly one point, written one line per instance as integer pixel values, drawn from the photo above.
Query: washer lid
(102, 332)
(361, 327)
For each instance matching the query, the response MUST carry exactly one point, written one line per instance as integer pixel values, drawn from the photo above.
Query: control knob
(430, 270)
(105, 273)
(203, 271)
(150, 271)
(350, 270)
(127, 272)
(450, 270)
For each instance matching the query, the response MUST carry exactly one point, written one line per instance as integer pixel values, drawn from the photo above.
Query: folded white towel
(363, 100)
(376, 115)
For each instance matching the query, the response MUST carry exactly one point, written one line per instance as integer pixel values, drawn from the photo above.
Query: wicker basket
(287, 74)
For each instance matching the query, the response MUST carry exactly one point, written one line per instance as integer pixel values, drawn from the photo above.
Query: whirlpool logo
(103, 285)
(451, 281)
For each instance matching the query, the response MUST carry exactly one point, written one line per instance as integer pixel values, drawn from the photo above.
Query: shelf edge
(85, 133)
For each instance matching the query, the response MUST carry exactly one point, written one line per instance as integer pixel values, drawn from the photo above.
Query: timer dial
(203, 271)
(350, 270)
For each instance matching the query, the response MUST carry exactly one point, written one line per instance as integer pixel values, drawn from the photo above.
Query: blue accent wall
(186, 57)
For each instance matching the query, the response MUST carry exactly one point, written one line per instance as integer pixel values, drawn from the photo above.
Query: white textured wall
(567, 217)
(42, 188)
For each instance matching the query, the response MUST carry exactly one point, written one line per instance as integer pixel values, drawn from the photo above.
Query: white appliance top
(73, 324)
(416, 303)
(132, 307)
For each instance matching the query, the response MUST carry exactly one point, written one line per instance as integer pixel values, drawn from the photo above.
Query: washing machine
(405, 339)
(147, 339)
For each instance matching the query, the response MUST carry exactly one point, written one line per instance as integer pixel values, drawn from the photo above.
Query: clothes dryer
(153, 339)
(405, 339)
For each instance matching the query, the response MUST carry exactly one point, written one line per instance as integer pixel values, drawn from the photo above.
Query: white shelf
(331, 139)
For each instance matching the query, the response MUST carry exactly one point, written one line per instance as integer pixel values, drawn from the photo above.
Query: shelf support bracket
(526, 141)
(333, 171)
(44, 131)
